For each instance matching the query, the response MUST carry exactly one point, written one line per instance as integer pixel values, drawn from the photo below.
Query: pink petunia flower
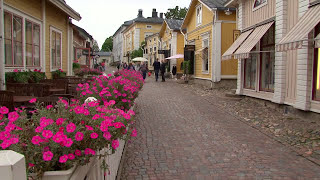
(115, 144)
(33, 100)
(47, 156)
(71, 156)
(63, 158)
(4, 135)
(39, 129)
(4, 110)
(36, 140)
(107, 135)
(49, 107)
(134, 133)
(79, 136)
(67, 142)
(59, 121)
(89, 128)
(31, 165)
(47, 134)
(94, 135)
(5, 144)
(13, 116)
(77, 152)
(71, 127)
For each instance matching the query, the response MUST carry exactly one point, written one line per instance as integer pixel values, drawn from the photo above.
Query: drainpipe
(2, 65)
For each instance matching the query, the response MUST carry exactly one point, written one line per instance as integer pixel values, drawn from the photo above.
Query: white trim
(44, 36)
(67, 9)
(260, 6)
(216, 60)
(58, 31)
(203, 78)
(70, 45)
(206, 36)
(229, 77)
(21, 13)
(200, 14)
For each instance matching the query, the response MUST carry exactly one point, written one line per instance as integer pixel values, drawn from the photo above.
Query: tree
(176, 13)
(108, 44)
(95, 46)
(137, 53)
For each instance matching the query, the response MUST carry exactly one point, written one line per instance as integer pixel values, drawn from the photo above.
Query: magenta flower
(13, 116)
(89, 128)
(31, 165)
(4, 135)
(4, 110)
(59, 121)
(39, 129)
(94, 135)
(5, 144)
(115, 144)
(36, 140)
(79, 136)
(118, 125)
(134, 133)
(47, 156)
(14, 140)
(71, 156)
(63, 159)
(33, 100)
(71, 127)
(49, 107)
(47, 134)
(107, 135)
(67, 142)
(77, 152)
(57, 138)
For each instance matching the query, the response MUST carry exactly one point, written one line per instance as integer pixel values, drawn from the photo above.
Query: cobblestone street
(182, 135)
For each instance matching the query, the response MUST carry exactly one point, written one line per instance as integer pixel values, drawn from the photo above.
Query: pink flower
(94, 135)
(13, 116)
(14, 140)
(77, 152)
(71, 156)
(36, 140)
(49, 107)
(5, 144)
(89, 128)
(47, 134)
(95, 117)
(118, 125)
(57, 138)
(10, 127)
(47, 156)
(71, 127)
(31, 165)
(15, 70)
(79, 136)
(107, 135)
(126, 116)
(1, 116)
(59, 121)
(4, 135)
(39, 129)
(63, 158)
(134, 133)
(88, 151)
(67, 142)
(4, 110)
(115, 144)
(33, 100)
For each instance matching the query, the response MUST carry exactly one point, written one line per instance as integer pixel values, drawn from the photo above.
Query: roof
(102, 53)
(125, 24)
(83, 32)
(174, 24)
(215, 4)
(62, 5)
(156, 20)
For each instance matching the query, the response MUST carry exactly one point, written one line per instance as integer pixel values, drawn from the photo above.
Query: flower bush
(58, 74)
(24, 76)
(88, 71)
(68, 134)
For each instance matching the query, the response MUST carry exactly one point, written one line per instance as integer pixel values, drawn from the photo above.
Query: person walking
(156, 66)
(125, 66)
(143, 68)
(131, 67)
(163, 69)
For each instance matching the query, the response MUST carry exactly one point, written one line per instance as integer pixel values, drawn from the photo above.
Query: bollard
(12, 165)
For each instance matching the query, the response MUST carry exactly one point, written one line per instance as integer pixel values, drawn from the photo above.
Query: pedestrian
(125, 66)
(131, 67)
(118, 66)
(163, 69)
(156, 66)
(143, 68)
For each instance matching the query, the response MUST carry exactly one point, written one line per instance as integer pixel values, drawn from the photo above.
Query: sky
(102, 18)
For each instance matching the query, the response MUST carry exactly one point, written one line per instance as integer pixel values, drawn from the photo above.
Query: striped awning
(244, 50)
(298, 34)
(228, 54)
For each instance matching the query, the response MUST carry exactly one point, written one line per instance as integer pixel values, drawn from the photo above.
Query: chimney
(140, 13)
(154, 13)
(161, 15)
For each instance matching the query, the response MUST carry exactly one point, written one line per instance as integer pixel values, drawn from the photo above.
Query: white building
(118, 42)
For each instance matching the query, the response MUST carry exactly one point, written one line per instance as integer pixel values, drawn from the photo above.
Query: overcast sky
(101, 18)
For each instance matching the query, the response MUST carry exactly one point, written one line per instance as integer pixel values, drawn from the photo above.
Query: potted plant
(59, 73)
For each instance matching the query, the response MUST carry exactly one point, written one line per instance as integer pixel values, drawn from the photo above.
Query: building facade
(36, 35)
(118, 45)
(150, 52)
(209, 28)
(277, 51)
(136, 33)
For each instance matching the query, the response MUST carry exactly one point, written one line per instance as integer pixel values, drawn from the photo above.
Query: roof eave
(67, 9)
(231, 3)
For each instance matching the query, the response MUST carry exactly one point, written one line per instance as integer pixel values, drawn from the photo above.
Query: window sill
(205, 72)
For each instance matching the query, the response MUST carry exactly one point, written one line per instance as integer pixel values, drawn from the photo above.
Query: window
(13, 39)
(32, 43)
(267, 62)
(55, 49)
(250, 66)
(154, 39)
(205, 54)
(149, 27)
(146, 51)
(259, 3)
(150, 50)
(199, 15)
(155, 49)
(316, 69)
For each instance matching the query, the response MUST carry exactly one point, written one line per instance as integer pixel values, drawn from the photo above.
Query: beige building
(151, 49)
(278, 51)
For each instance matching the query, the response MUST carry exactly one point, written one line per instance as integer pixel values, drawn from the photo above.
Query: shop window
(316, 76)
(205, 55)
(32, 44)
(13, 40)
(199, 14)
(55, 48)
(250, 71)
(259, 3)
(267, 60)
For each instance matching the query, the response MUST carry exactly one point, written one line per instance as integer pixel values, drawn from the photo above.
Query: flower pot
(56, 175)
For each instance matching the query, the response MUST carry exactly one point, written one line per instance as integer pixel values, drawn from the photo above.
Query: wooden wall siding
(291, 73)
(228, 67)
(30, 7)
(55, 18)
(207, 17)
(143, 29)
(259, 15)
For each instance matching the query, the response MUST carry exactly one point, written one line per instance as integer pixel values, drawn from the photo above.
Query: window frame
(255, 75)
(316, 65)
(205, 37)
(199, 19)
(53, 68)
(12, 41)
(32, 35)
(259, 6)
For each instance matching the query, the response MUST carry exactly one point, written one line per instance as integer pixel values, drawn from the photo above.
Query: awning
(177, 56)
(199, 51)
(244, 50)
(228, 54)
(297, 35)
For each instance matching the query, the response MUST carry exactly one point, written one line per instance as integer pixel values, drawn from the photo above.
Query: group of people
(143, 68)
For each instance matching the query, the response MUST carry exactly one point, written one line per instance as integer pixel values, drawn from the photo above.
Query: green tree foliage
(136, 53)
(107, 45)
(176, 13)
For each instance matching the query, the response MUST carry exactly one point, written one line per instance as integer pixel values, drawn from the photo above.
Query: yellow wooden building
(140, 28)
(210, 28)
(35, 35)
(151, 48)
(172, 40)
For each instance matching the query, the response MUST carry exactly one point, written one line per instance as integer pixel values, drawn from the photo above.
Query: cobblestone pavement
(181, 135)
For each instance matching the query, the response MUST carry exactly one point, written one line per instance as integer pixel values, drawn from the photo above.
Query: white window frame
(149, 26)
(260, 6)
(58, 31)
(199, 18)
(206, 37)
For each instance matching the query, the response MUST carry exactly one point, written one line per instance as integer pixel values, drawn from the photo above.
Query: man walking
(163, 69)
(156, 66)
